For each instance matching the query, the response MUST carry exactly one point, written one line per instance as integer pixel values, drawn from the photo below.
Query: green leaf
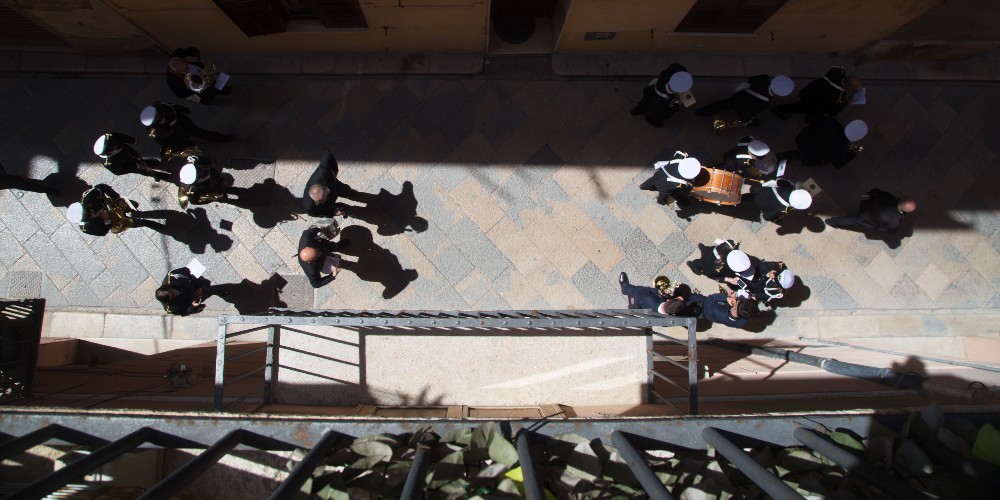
(912, 460)
(372, 448)
(450, 468)
(461, 437)
(479, 448)
(492, 471)
(454, 488)
(953, 442)
(987, 445)
(847, 441)
(366, 463)
(667, 478)
(798, 460)
(330, 493)
(500, 450)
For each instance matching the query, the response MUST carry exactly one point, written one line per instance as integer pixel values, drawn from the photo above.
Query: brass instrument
(197, 82)
(854, 148)
(120, 221)
(328, 232)
(720, 126)
(184, 197)
(167, 153)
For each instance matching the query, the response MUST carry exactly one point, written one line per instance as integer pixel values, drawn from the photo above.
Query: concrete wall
(799, 27)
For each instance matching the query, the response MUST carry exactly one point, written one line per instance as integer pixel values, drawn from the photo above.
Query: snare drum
(722, 187)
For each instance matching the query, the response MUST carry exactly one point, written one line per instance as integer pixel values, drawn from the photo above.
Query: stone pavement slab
(528, 187)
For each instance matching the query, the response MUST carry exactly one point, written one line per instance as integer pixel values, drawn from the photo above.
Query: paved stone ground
(529, 188)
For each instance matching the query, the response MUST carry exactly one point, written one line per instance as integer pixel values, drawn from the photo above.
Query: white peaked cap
(856, 130)
(786, 279)
(758, 148)
(680, 82)
(148, 115)
(738, 261)
(689, 168)
(781, 85)
(75, 213)
(800, 199)
(99, 145)
(189, 174)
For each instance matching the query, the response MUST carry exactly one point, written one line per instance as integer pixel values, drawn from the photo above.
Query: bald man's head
(906, 204)
(318, 193)
(308, 254)
(852, 84)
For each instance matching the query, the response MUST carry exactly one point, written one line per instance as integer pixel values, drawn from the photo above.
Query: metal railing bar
(289, 488)
(890, 485)
(668, 402)
(176, 481)
(956, 362)
(413, 488)
(246, 353)
(244, 398)
(678, 364)
(332, 379)
(671, 339)
(47, 433)
(244, 332)
(246, 374)
(768, 482)
(640, 469)
(220, 364)
(692, 328)
(318, 336)
(532, 487)
(312, 354)
(671, 382)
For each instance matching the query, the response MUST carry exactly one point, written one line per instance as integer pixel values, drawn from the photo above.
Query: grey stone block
(86, 263)
(482, 253)
(599, 290)
(453, 264)
(50, 259)
(130, 326)
(53, 62)
(297, 292)
(25, 284)
(676, 247)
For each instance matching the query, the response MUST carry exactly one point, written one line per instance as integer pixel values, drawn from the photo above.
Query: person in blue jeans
(647, 297)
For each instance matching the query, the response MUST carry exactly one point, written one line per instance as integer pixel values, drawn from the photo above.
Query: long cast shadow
(268, 202)
(374, 263)
(392, 213)
(249, 297)
(192, 228)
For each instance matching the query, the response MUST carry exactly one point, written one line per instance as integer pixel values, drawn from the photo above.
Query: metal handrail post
(271, 375)
(771, 484)
(220, 364)
(692, 326)
(640, 469)
(532, 487)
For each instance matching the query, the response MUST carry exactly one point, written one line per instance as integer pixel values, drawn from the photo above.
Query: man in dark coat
(672, 178)
(750, 158)
(182, 293)
(826, 141)
(878, 211)
(203, 183)
(314, 249)
(323, 189)
(121, 158)
(750, 97)
(823, 96)
(660, 99)
(171, 127)
(94, 217)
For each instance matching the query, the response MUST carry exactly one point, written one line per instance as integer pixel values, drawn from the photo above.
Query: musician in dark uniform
(647, 297)
(313, 252)
(203, 183)
(751, 97)
(712, 262)
(171, 127)
(9, 181)
(659, 99)
(121, 158)
(826, 141)
(828, 95)
(182, 293)
(773, 279)
(94, 214)
(673, 177)
(777, 198)
(725, 308)
(323, 189)
(878, 211)
(184, 61)
(750, 158)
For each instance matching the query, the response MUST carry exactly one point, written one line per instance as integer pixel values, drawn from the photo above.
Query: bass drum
(718, 186)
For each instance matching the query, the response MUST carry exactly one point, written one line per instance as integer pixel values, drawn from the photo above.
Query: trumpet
(184, 197)
(720, 126)
(197, 82)
(167, 153)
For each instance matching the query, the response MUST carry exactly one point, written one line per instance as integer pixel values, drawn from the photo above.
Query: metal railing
(21, 324)
(278, 321)
(110, 435)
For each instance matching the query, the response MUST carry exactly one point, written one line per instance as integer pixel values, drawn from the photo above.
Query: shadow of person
(191, 228)
(374, 263)
(794, 296)
(249, 297)
(761, 321)
(70, 188)
(391, 213)
(268, 202)
(746, 209)
(797, 220)
(892, 240)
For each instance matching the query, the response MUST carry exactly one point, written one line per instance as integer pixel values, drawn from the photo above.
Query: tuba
(720, 126)
(120, 221)
(197, 82)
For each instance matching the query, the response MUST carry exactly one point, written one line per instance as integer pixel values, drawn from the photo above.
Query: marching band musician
(171, 127)
(102, 210)
(751, 97)
(828, 95)
(672, 178)
(776, 198)
(739, 270)
(182, 293)
(750, 158)
(183, 62)
(202, 182)
(658, 299)
(660, 98)
(725, 308)
(712, 262)
(773, 279)
(121, 158)
(826, 141)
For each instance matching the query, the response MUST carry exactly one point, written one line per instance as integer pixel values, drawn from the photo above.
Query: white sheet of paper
(221, 81)
(781, 168)
(331, 262)
(858, 97)
(196, 268)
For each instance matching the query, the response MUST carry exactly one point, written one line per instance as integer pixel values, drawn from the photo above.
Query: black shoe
(695, 269)
(622, 280)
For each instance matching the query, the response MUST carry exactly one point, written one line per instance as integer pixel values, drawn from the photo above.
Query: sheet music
(858, 97)
(330, 263)
(221, 81)
(196, 267)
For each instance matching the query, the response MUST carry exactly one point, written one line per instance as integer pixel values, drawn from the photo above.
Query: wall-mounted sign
(600, 35)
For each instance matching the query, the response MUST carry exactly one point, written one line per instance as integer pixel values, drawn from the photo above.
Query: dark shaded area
(249, 297)
(374, 263)
(392, 213)
(892, 240)
(269, 203)
(744, 210)
(797, 220)
(192, 228)
(70, 187)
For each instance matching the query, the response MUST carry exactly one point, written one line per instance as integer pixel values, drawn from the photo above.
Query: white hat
(680, 82)
(800, 199)
(781, 85)
(101, 145)
(856, 130)
(738, 261)
(689, 168)
(189, 174)
(148, 115)
(75, 213)
(786, 279)
(758, 148)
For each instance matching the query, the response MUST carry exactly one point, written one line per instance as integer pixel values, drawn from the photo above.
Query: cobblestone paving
(529, 190)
